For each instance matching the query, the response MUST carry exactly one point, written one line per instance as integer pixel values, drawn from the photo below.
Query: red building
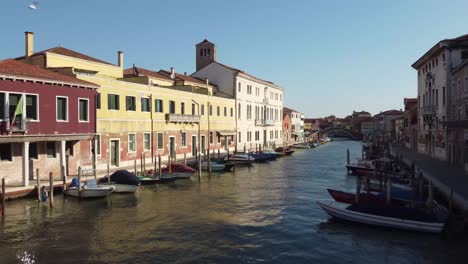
(47, 121)
(287, 129)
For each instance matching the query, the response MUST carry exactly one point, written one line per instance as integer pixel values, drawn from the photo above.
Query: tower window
(209, 52)
(201, 52)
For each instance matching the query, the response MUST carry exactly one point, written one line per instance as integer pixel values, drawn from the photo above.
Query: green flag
(19, 107)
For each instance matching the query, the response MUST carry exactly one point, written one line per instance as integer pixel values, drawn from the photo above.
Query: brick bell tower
(205, 54)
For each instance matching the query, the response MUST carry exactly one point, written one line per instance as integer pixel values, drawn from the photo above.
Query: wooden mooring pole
(135, 166)
(358, 189)
(155, 165)
(185, 158)
(38, 184)
(51, 189)
(159, 166)
(3, 197)
(389, 190)
(347, 156)
(108, 173)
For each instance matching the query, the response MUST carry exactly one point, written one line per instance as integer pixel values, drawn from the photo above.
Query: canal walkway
(444, 177)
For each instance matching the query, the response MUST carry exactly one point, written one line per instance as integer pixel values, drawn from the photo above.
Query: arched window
(201, 52)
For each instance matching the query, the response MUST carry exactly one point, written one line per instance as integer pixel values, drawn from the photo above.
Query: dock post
(219, 153)
(185, 158)
(141, 165)
(108, 173)
(155, 165)
(38, 183)
(144, 164)
(170, 164)
(347, 156)
(159, 165)
(389, 190)
(358, 189)
(64, 179)
(51, 190)
(244, 148)
(135, 166)
(3, 197)
(198, 154)
(79, 182)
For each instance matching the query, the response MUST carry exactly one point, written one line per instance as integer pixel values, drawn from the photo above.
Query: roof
(437, 47)
(311, 120)
(136, 71)
(68, 52)
(16, 68)
(392, 112)
(184, 77)
(205, 41)
(242, 72)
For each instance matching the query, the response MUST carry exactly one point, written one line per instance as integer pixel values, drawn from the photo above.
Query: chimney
(29, 43)
(172, 73)
(120, 61)
(207, 82)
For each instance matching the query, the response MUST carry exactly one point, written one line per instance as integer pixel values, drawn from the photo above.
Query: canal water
(266, 213)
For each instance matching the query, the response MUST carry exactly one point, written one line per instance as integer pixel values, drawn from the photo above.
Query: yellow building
(142, 111)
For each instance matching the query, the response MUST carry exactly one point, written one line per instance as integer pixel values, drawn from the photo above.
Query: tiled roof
(240, 71)
(184, 77)
(67, 52)
(19, 69)
(136, 71)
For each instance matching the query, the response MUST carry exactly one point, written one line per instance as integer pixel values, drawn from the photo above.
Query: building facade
(147, 113)
(47, 121)
(259, 103)
(297, 125)
(433, 74)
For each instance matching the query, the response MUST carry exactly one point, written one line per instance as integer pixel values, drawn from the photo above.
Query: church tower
(205, 53)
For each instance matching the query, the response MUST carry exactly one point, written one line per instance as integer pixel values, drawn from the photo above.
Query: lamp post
(199, 139)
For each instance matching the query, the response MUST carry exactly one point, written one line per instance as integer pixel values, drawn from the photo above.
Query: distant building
(383, 126)
(410, 123)
(286, 127)
(297, 125)
(433, 74)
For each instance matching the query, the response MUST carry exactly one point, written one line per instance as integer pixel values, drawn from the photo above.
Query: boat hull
(90, 192)
(339, 210)
(123, 188)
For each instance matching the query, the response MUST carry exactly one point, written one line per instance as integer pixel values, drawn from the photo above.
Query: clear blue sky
(331, 57)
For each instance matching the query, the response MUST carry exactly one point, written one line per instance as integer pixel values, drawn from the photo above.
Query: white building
(297, 125)
(259, 102)
(434, 69)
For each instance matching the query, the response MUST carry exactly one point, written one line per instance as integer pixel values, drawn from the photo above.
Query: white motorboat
(90, 189)
(385, 217)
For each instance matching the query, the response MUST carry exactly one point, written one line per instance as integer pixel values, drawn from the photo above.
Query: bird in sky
(33, 5)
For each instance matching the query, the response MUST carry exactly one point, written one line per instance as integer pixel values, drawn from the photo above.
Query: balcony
(178, 118)
(263, 122)
(20, 125)
(265, 100)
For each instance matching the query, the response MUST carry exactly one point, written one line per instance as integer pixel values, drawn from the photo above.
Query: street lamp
(199, 139)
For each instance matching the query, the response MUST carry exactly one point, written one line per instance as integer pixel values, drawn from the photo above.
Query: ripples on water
(266, 213)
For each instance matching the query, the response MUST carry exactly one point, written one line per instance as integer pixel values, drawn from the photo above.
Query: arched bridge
(351, 134)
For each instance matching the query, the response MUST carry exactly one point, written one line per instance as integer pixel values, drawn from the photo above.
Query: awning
(226, 132)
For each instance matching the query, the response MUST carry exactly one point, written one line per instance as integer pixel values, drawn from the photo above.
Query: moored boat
(284, 151)
(401, 218)
(301, 146)
(240, 159)
(215, 166)
(89, 189)
(123, 181)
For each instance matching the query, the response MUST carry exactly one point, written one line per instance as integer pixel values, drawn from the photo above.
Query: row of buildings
(61, 108)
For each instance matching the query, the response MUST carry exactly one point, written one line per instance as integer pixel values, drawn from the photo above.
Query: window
(98, 101)
(240, 136)
(160, 141)
(218, 138)
(218, 110)
(62, 108)
(145, 104)
(239, 88)
(146, 141)
(31, 107)
(211, 137)
(33, 153)
(225, 111)
(130, 103)
(97, 140)
(232, 112)
(202, 110)
(14, 100)
(131, 142)
(171, 107)
(193, 109)
(211, 110)
(83, 110)
(2, 106)
(50, 150)
(113, 102)
(184, 139)
(158, 105)
(5, 152)
(239, 111)
(182, 108)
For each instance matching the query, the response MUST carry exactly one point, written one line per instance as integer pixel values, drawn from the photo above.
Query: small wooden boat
(89, 189)
(215, 166)
(361, 167)
(301, 146)
(402, 218)
(148, 180)
(123, 181)
(364, 198)
(240, 159)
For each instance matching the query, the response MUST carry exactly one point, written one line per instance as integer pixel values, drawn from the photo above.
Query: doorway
(172, 147)
(203, 144)
(194, 146)
(114, 152)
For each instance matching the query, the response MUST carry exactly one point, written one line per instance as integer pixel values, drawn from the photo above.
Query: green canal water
(266, 213)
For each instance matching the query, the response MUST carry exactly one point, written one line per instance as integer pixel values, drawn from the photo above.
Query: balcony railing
(19, 125)
(178, 118)
(263, 122)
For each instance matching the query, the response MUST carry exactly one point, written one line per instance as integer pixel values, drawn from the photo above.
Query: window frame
(117, 96)
(127, 97)
(128, 142)
(87, 111)
(156, 105)
(183, 139)
(149, 141)
(148, 103)
(67, 112)
(37, 108)
(55, 149)
(11, 153)
(157, 141)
